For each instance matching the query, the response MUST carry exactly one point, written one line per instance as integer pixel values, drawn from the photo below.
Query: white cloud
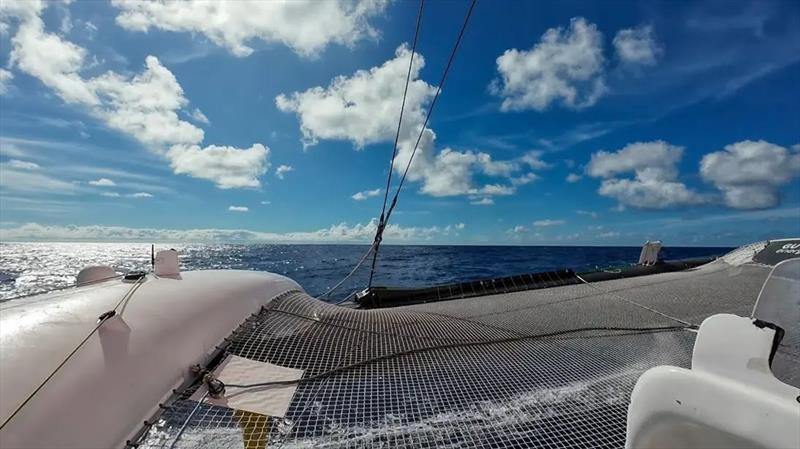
(482, 202)
(110, 194)
(547, 223)
(364, 108)
(518, 229)
(238, 208)
(144, 106)
(655, 184)
(533, 159)
(15, 179)
(495, 168)
(586, 212)
(198, 116)
(361, 196)
(527, 178)
(306, 27)
(228, 167)
(637, 46)
(658, 157)
(460, 226)
(566, 66)
(140, 195)
(650, 193)
(103, 182)
(493, 189)
(22, 165)
(749, 173)
(265, 203)
(5, 80)
(22, 10)
(341, 232)
(281, 171)
(54, 61)
(573, 177)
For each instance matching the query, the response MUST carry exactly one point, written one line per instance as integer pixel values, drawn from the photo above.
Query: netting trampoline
(543, 368)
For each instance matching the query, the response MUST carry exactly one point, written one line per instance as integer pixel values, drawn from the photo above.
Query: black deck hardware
(777, 251)
(379, 297)
(134, 275)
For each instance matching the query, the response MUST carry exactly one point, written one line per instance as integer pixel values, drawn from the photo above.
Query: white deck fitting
(729, 398)
(100, 397)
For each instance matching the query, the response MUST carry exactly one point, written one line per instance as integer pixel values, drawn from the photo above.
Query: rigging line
(635, 303)
(382, 225)
(402, 106)
(186, 422)
(379, 231)
(100, 321)
(360, 262)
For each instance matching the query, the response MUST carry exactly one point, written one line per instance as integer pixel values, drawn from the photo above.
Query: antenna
(152, 256)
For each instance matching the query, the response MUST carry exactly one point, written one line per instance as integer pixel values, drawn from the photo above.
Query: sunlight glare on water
(28, 268)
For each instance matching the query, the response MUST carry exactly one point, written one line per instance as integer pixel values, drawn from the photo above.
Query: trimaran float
(672, 354)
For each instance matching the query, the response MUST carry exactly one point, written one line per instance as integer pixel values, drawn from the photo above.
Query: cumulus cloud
(305, 26)
(341, 232)
(145, 106)
(281, 171)
(749, 173)
(238, 208)
(587, 213)
(140, 195)
(460, 226)
(103, 182)
(637, 46)
(573, 177)
(21, 10)
(519, 229)
(566, 66)
(5, 80)
(363, 109)
(547, 222)
(361, 196)
(655, 184)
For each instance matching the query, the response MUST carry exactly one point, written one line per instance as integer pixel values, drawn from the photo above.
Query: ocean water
(28, 268)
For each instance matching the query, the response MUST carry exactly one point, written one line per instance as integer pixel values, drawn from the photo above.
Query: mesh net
(544, 368)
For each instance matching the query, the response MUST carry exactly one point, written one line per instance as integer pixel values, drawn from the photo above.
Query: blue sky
(560, 123)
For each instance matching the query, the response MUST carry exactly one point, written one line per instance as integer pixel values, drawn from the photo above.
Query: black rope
(384, 220)
(324, 374)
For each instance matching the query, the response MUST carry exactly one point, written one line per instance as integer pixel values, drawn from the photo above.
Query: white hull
(105, 390)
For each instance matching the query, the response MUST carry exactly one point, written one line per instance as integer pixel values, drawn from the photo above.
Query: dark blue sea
(27, 268)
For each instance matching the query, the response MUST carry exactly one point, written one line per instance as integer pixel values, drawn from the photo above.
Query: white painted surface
(270, 400)
(103, 393)
(90, 275)
(728, 399)
(649, 254)
(166, 263)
